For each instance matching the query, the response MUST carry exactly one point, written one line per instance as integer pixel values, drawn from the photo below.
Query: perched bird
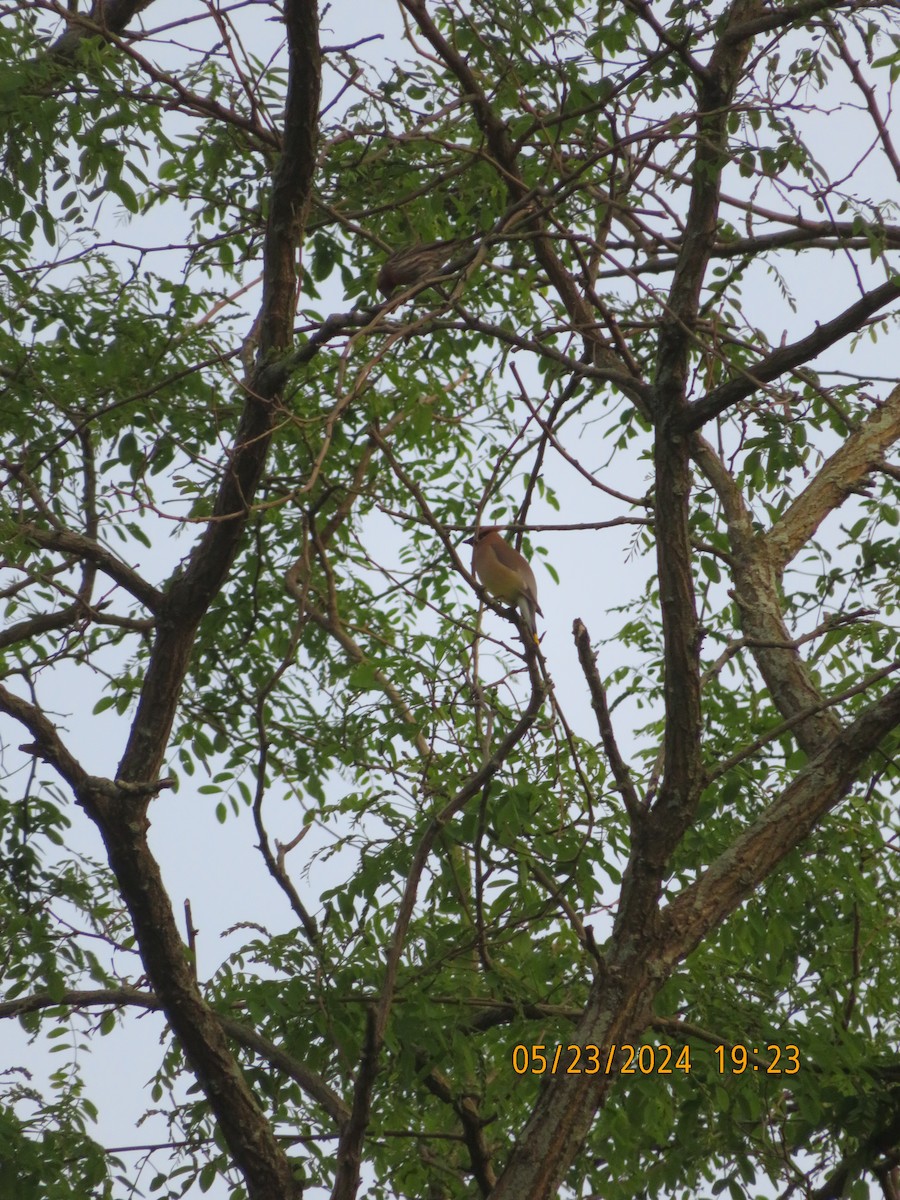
(415, 264)
(505, 574)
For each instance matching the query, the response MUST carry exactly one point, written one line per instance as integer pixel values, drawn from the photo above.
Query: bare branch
(604, 723)
(871, 99)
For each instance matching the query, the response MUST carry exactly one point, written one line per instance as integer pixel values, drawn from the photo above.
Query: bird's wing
(512, 560)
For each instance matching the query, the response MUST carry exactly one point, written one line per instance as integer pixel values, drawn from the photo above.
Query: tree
(234, 522)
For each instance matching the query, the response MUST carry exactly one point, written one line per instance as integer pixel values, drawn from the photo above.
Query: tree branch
(790, 14)
(466, 1108)
(504, 153)
(639, 961)
(349, 1154)
(107, 16)
(834, 481)
(81, 547)
(781, 828)
(681, 783)
(786, 358)
(716, 86)
(125, 996)
(122, 821)
(756, 592)
(192, 589)
(620, 770)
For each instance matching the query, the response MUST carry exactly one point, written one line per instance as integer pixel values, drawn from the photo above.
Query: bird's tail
(527, 607)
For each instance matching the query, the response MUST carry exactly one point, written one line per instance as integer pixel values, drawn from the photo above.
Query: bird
(505, 574)
(415, 264)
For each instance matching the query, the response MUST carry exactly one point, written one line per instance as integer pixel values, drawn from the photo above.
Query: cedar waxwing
(505, 574)
(415, 264)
